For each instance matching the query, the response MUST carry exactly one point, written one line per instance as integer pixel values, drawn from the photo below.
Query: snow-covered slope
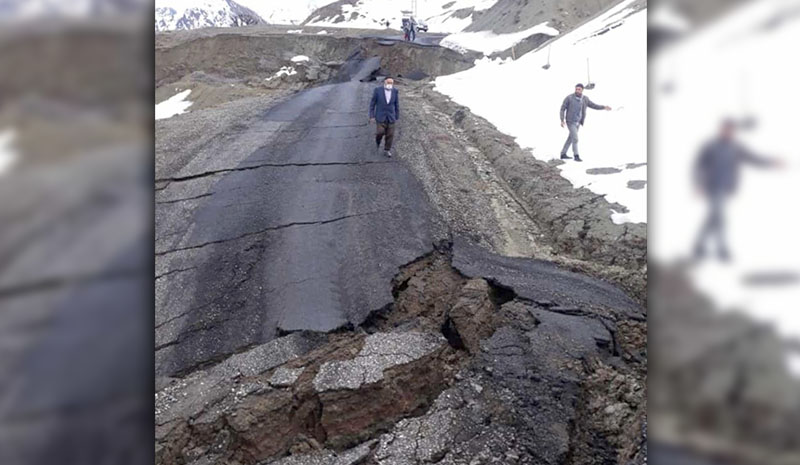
(284, 11)
(192, 14)
(440, 15)
(523, 100)
(488, 42)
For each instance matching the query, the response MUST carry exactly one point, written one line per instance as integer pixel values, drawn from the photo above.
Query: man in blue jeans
(384, 109)
(573, 115)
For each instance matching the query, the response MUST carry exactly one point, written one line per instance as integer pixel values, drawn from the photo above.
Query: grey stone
(603, 171)
(380, 351)
(285, 377)
(637, 184)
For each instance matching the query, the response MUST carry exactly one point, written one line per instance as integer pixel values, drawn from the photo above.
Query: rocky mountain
(285, 11)
(180, 14)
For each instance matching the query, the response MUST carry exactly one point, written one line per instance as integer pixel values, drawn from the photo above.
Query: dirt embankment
(241, 56)
(253, 62)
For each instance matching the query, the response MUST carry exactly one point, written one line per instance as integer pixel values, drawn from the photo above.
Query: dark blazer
(380, 110)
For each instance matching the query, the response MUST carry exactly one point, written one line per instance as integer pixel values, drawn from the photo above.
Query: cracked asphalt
(290, 222)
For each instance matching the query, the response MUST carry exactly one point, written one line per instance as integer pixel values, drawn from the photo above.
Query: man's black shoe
(578, 158)
(564, 156)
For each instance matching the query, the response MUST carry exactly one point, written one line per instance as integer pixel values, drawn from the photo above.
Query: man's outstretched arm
(747, 156)
(397, 105)
(596, 106)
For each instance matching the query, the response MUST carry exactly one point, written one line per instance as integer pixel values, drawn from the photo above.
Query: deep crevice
(500, 294)
(450, 333)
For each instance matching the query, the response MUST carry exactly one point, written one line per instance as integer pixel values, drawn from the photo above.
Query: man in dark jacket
(573, 115)
(716, 175)
(384, 109)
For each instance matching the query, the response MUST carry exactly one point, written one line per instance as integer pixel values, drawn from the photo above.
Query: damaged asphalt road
(304, 233)
(307, 285)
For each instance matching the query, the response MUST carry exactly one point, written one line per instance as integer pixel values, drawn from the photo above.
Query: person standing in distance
(384, 110)
(716, 177)
(573, 115)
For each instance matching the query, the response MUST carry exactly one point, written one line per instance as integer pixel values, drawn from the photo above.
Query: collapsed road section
(458, 367)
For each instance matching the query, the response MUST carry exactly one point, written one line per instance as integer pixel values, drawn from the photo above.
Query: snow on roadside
(175, 105)
(8, 156)
(299, 58)
(284, 71)
(488, 42)
(322, 32)
(294, 31)
(523, 100)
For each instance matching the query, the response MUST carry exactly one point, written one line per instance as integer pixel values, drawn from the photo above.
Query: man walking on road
(384, 109)
(573, 115)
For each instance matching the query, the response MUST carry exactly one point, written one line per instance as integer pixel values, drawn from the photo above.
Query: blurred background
(76, 248)
(76, 277)
(724, 259)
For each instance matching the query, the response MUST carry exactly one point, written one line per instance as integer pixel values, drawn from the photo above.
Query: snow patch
(8, 156)
(523, 99)
(284, 71)
(175, 105)
(322, 32)
(299, 58)
(488, 42)
(294, 31)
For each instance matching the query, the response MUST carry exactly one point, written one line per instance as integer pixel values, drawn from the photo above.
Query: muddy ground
(520, 339)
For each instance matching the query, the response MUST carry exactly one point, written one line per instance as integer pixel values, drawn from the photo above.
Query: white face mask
(388, 86)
